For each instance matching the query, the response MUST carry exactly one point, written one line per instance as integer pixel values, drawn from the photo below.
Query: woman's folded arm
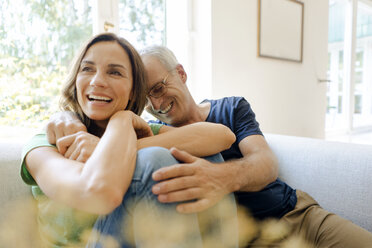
(97, 186)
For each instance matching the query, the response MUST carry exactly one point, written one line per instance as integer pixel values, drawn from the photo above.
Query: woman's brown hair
(69, 100)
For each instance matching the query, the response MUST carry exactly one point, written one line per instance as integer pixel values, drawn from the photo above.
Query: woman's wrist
(122, 115)
(121, 119)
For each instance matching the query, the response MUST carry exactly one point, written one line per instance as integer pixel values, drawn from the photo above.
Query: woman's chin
(98, 117)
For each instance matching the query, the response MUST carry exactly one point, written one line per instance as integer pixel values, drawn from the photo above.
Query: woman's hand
(140, 126)
(62, 124)
(78, 146)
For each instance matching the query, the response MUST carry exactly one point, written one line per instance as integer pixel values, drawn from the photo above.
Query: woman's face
(104, 81)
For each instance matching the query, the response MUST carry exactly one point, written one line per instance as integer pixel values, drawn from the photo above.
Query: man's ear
(181, 72)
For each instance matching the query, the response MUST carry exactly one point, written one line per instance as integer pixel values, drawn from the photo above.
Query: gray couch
(337, 175)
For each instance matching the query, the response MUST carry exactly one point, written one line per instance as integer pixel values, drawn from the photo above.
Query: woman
(106, 88)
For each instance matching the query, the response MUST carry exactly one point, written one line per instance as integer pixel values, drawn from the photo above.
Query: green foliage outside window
(38, 39)
(142, 22)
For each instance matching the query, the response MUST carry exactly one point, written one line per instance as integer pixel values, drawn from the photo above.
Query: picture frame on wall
(280, 29)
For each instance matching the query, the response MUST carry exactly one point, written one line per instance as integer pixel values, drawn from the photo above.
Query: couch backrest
(337, 175)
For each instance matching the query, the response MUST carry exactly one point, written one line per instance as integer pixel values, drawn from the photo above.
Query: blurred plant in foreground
(19, 229)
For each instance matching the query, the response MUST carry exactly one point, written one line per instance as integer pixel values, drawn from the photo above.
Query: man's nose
(98, 80)
(155, 103)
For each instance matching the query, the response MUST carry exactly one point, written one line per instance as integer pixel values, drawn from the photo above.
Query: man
(250, 169)
(172, 103)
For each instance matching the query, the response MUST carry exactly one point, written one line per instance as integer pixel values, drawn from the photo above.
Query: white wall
(285, 96)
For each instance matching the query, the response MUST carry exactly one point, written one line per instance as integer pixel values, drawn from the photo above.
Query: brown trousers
(324, 229)
(318, 228)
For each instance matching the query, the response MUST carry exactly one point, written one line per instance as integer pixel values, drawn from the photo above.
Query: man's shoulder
(225, 108)
(226, 99)
(230, 101)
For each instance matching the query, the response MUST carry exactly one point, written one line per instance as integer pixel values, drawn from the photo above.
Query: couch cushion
(338, 175)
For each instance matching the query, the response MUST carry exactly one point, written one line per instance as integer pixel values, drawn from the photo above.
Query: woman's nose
(98, 80)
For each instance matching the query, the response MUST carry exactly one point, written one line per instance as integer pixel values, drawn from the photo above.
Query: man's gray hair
(163, 54)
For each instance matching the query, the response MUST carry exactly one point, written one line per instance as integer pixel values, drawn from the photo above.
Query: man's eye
(157, 89)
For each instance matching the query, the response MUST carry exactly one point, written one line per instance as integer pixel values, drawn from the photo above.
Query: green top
(59, 225)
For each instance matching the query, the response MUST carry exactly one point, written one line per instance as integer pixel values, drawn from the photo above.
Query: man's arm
(207, 183)
(194, 138)
(258, 167)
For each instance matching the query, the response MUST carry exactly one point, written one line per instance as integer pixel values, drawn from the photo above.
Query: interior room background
(328, 95)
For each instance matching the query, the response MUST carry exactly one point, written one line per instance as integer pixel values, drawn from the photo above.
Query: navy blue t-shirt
(277, 198)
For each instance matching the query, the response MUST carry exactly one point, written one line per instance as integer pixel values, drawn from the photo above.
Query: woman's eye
(86, 68)
(117, 73)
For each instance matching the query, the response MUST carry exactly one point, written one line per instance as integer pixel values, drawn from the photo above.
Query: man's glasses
(159, 89)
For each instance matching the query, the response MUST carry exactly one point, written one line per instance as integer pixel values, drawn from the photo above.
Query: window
(142, 22)
(358, 104)
(353, 111)
(339, 105)
(341, 60)
(38, 40)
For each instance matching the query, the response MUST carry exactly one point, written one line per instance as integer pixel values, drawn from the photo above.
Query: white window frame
(349, 48)
(105, 16)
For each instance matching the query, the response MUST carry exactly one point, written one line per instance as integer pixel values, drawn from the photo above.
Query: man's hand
(78, 146)
(197, 179)
(62, 124)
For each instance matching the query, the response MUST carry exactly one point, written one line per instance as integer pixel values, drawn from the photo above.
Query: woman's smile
(97, 98)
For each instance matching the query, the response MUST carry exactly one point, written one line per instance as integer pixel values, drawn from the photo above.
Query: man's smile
(166, 109)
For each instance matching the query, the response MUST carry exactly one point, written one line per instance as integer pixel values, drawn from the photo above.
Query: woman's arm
(98, 186)
(199, 139)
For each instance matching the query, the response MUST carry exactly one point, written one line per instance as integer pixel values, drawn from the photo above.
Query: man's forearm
(253, 173)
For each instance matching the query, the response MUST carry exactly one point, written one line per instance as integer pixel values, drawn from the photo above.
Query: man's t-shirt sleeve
(155, 127)
(36, 141)
(245, 123)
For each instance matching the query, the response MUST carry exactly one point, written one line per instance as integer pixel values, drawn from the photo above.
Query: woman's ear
(181, 72)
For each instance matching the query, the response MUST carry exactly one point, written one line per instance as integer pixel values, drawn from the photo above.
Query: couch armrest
(18, 226)
(12, 184)
(337, 175)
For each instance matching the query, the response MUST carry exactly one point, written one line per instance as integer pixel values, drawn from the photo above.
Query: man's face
(171, 106)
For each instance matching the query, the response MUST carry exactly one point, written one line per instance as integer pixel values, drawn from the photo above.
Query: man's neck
(204, 109)
(199, 113)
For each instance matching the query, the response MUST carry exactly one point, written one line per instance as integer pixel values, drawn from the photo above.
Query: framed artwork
(280, 29)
